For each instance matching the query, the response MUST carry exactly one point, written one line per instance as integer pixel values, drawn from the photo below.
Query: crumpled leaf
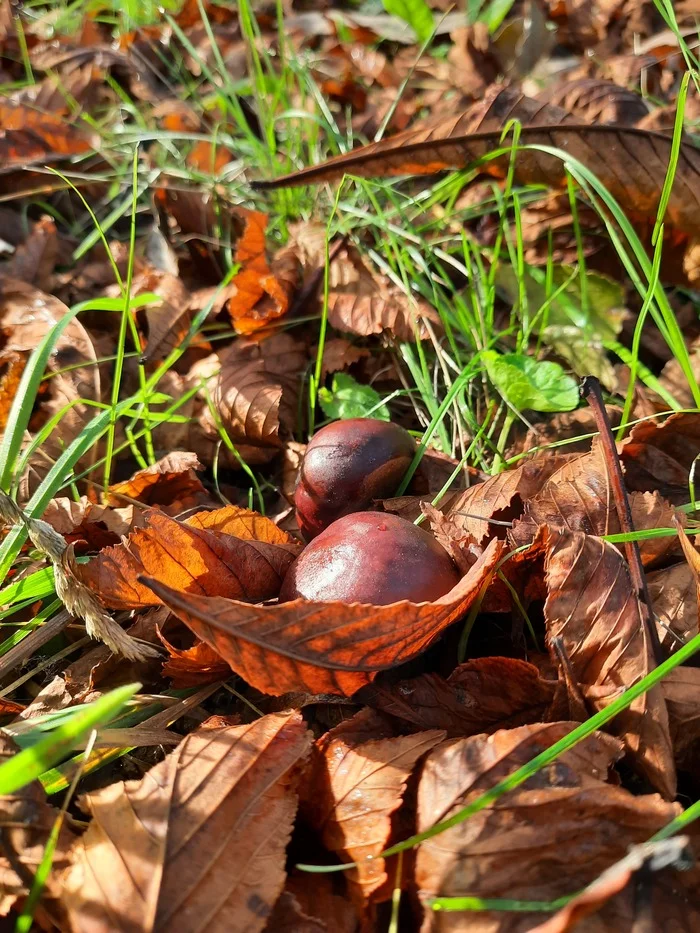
(548, 838)
(189, 557)
(29, 136)
(260, 293)
(365, 303)
(593, 608)
(659, 456)
(578, 497)
(525, 382)
(352, 788)
(170, 484)
(195, 666)
(674, 597)
(199, 842)
(500, 498)
(321, 647)
(255, 391)
(481, 695)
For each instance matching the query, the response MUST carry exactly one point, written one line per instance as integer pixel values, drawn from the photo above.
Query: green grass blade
(27, 765)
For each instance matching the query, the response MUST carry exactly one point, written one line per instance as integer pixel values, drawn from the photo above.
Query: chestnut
(371, 557)
(348, 464)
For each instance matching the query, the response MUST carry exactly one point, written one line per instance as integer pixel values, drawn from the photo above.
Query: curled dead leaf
(319, 647)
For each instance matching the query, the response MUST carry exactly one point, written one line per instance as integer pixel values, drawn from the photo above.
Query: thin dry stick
(591, 391)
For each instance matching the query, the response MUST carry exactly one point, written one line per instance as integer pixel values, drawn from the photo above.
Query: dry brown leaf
(626, 160)
(660, 456)
(29, 136)
(260, 293)
(593, 608)
(170, 484)
(674, 597)
(242, 523)
(96, 526)
(195, 666)
(320, 647)
(339, 354)
(35, 260)
(597, 101)
(640, 862)
(288, 917)
(481, 695)
(168, 323)
(354, 786)
(548, 838)
(199, 842)
(501, 498)
(578, 497)
(186, 557)
(319, 897)
(255, 392)
(364, 303)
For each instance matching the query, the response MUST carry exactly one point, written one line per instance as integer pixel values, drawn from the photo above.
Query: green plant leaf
(27, 765)
(416, 13)
(349, 399)
(527, 383)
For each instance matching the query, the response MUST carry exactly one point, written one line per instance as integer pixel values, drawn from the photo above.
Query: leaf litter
(278, 754)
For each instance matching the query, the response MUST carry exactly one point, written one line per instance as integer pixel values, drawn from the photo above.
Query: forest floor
(224, 226)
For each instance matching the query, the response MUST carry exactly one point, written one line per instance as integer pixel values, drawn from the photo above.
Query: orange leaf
(187, 558)
(195, 666)
(322, 647)
(352, 790)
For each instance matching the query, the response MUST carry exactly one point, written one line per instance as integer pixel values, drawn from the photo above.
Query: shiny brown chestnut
(348, 464)
(371, 557)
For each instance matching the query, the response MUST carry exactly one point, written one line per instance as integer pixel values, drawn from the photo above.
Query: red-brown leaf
(320, 647)
(593, 608)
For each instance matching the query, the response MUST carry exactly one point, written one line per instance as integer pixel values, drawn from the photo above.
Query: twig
(572, 685)
(591, 391)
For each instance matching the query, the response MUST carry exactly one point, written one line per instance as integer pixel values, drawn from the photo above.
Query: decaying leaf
(195, 666)
(171, 484)
(593, 608)
(659, 456)
(199, 842)
(597, 101)
(321, 647)
(481, 695)
(549, 838)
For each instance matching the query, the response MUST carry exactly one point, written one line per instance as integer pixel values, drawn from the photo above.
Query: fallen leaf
(669, 908)
(319, 897)
(199, 842)
(288, 917)
(260, 293)
(597, 101)
(26, 820)
(96, 526)
(188, 557)
(29, 136)
(364, 303)
(195, 666)
(593, 608)
(255, 392)
(548, 838)
(578, 497)
(481, 695)
(168, 322)
(353, 788)
(660, 456)
(626, 160)
(674, 597)
(320, 647)
(170, 484)
(35, 259)
(500, 499)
